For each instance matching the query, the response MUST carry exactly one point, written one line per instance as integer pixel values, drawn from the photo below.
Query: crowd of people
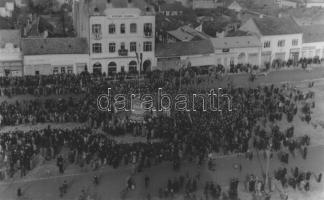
(191, 136)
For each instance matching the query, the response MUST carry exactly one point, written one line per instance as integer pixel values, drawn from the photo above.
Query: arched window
(147, 66)
(112, 68)
(132, 67)
(97, 68)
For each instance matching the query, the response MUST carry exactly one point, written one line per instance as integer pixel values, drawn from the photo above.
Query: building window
(96, 28)
(112, 28)
(122, 45)
(133, 28)
(147, 46)
(132, 67)
(132, 47)
(97, 68)
(266, 44)
(70, 70)
(55, 70)
(63, 70)
(281, 43)
(112, 47)
(112, 68)
(96, 48)
(148, 29)
(122, 28)
(294, 42)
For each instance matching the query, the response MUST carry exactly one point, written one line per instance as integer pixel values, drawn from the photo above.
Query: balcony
(123, 52)
(148, 33)
(97, 36)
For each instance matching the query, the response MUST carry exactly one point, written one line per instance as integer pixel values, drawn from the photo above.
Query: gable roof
(186, 33)
(236, 42)
(313, 33)
(184, 48)
(9, 36)
(45, 46)
(277, 26)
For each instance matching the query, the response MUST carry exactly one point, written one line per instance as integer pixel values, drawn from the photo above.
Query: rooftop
(313, 33)
(277, 26)
(177, 49)
(9, 36)
(102, 5)
(236, 42)
(186, 33)
(176, 6)
(45, 46)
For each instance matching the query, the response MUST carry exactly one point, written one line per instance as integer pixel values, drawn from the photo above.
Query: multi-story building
(10, 54)
(122, 39)
(281, 37)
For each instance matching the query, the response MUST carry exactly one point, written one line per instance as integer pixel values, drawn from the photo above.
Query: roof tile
(45, 46)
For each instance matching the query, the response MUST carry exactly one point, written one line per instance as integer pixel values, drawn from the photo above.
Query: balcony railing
(148, 33)
(123, 52)
(97, 36)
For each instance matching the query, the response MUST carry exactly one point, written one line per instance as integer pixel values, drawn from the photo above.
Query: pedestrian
(147, 181)
(60, 164)
(305, 152)
(19, 192)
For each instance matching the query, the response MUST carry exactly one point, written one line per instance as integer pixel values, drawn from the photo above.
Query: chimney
(108, 4)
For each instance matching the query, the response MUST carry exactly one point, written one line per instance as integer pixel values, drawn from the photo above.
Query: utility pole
(268, 152)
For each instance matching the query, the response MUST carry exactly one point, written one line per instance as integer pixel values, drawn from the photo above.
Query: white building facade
(122, 40)
(237, 50)
(46, 56)
(314, 3)
(281, 38)
(10, 53)
(6, 8)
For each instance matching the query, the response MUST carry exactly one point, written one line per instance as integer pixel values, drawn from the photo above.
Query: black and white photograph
(161, 99)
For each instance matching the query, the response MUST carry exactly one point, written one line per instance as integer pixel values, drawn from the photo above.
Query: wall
(45, 63)
(10, 59)
(274, 49)
(235, 54)
(199, 60)
(309, 5)
(310, 50)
